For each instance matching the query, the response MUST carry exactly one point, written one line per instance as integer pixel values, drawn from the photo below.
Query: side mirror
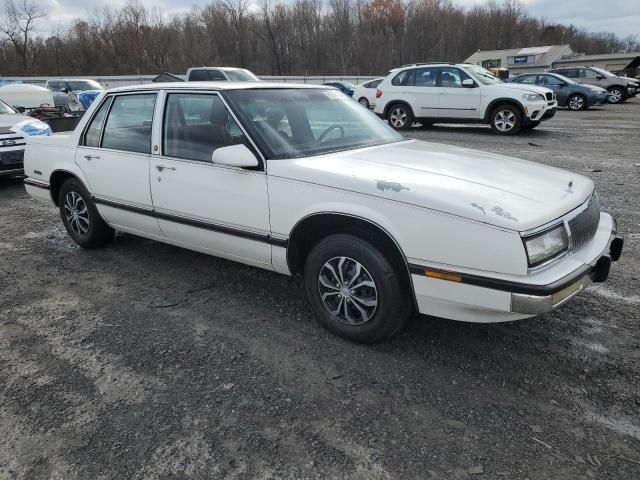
(234, 156)
(562, 85)
(468, 83)
(600, 77)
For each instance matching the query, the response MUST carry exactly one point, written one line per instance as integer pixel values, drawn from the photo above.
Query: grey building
(521, 60)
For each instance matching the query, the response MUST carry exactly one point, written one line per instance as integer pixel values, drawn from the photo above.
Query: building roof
(544, 56)
(632, 59)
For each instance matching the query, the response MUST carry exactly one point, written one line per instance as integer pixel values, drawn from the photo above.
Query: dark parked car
(570, 94)
(345, 87)
(620, 88)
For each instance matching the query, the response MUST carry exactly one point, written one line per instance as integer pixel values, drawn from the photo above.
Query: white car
(14, 130)
(461, 93)
(365, 93)
(302, 180)
(220, 74)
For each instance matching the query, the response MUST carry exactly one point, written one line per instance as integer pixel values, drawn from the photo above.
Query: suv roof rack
(416, 64)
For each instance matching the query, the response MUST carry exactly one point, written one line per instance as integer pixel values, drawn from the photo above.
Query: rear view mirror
(468, 83)
(234, 156)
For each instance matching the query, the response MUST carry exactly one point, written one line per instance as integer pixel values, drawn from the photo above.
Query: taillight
(378, 93)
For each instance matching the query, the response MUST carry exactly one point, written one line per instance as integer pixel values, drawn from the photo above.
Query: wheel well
(393, 103)
(55, 182)
(616, 86)
(502, 101)
(307, 233)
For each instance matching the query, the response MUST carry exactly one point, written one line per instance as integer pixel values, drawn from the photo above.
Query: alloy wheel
(505, 120)
(347, 291)
(398, 117)
(615, 95)
(76, 213)
(364, 102)
(576, 103)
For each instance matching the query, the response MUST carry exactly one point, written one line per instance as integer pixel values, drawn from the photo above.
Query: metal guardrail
(127, 80)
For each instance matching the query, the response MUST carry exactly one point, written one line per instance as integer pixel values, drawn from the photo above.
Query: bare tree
(19, 24)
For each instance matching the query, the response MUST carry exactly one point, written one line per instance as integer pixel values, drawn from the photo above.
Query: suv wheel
(400, 117)
(354, 290)
(576, 102)
(364, 102)
(80, 216)
(506, 119)
(616, 95)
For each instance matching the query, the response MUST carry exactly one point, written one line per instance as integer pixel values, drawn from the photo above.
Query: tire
(506, 119)
(364, 102)
(374, 311)
(80, 216)
(531, 126)
(576, 102)
(400, 116)
(616, 95)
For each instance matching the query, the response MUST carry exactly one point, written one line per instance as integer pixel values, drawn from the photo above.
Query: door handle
(91, 157)
(161, 168)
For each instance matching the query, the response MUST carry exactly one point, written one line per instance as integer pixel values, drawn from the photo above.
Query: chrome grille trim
(583, 226)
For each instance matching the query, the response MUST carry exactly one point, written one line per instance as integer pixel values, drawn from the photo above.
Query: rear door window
(425, 77)
(94, 131)
(129, 123)
(404, 78)
(206, 76)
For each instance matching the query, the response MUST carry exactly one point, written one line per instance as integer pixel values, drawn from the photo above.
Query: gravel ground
(145, 361)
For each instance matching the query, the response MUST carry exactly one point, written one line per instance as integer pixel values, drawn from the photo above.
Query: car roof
(65, 79)
(224, 69)
(217, 86)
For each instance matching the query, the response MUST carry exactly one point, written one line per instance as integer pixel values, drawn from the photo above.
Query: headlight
(32, 128)
(532, 97)
(546, 245)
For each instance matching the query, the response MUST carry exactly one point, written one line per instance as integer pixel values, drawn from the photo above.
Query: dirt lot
(146, 361)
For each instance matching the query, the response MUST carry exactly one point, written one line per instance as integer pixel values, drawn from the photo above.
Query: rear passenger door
(217, 209)
(457, 101)
(114, 155)
(418, 85)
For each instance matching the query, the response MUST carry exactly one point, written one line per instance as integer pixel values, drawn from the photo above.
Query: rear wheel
(80, 216)
(576, 102)
(364, 102)
(616, 95)
(354, 290)
(400, 116)
(506, 119)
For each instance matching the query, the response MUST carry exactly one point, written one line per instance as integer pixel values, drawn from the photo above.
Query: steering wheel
(329, 130)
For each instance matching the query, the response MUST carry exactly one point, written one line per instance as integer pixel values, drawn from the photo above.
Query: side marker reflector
(443, 276)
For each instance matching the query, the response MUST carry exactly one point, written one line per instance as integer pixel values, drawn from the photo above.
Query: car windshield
(603, 72)
(79, 85)
(241, 76)
(4, 108)
(483, 75)
(292, 123)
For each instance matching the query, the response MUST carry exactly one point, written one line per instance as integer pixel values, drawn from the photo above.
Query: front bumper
(568, 288)
(474, 297)
(539, 111)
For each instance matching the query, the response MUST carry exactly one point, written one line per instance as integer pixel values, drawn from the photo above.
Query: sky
(618, 16)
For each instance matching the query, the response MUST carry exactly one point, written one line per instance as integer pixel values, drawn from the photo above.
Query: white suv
(461, 93)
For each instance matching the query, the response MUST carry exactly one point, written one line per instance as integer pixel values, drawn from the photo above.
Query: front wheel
(80, 216)
(576, 102)
(354, 290)
(400, 117)
(616, 95)
(506, 119)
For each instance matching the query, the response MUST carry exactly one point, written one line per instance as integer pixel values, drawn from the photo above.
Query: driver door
(218, 209)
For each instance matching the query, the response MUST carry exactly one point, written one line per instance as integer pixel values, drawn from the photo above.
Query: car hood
(10, 119)
(493, 189)
(523, 88)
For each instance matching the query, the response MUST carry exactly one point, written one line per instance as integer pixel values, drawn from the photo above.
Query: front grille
(549, 96)
(11, 160)
(584, 226)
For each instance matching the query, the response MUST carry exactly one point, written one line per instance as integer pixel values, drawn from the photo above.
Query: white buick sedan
(303, 181)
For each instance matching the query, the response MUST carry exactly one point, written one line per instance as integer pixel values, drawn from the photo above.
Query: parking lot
(146, 361)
